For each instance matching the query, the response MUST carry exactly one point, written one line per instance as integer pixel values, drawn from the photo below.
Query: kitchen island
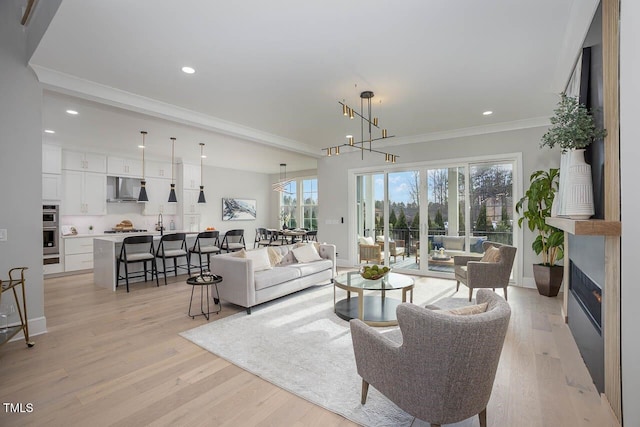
(106, 250)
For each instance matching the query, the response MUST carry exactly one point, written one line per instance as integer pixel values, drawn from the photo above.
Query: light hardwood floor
(112, 358)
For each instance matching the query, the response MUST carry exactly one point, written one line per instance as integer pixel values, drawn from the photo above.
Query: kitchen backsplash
(116, 212)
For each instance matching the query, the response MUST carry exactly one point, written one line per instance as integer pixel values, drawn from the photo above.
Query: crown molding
(471, 131)
(92, 91)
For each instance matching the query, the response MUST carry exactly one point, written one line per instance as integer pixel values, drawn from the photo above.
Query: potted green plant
(535, 207)
(573, 128)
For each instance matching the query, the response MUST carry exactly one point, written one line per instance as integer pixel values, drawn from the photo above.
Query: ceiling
(269, 75)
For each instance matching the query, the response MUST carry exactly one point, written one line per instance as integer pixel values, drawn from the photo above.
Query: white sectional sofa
(244, 286)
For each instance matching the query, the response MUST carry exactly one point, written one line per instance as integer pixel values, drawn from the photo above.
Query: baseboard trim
(37, 326)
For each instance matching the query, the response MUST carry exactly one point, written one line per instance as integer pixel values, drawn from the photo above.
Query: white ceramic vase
(577, 195)
(558, 206)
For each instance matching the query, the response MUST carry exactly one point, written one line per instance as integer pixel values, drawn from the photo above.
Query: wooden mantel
(587, 227)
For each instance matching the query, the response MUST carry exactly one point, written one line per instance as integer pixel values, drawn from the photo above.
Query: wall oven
(50, 215)
(50, 230)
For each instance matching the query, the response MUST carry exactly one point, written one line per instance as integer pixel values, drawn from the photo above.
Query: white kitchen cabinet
(191, 223)
(51, 159)
(51, 186)
(119, 166)
(155, 169)
(190, 205)
(78, 253)
(88, 162)
(158, 194)
(84, 193)
(190, 177)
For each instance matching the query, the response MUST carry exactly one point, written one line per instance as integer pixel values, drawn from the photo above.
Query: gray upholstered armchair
(439, 367)
(484, 272)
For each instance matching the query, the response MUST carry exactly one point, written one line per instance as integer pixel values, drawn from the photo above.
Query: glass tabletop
(389, 281)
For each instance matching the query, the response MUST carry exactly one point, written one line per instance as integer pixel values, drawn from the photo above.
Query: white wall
(219, 183)
(630, 177)
(333, 176)
(21, 169)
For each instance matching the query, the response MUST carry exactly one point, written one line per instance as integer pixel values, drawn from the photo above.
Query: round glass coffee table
(376, 309)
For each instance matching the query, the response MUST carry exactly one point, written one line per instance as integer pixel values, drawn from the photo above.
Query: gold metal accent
(365, 117)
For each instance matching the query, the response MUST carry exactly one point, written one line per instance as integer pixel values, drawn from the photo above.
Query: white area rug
(299, 344)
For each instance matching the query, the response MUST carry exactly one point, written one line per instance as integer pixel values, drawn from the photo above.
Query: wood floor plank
(116, 359)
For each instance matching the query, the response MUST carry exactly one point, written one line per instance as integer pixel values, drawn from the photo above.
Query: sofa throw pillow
(274, 256)
(260, 258)
(300, 244)
(239, 254)
(492, 254)
(306, 253)
(470, 309)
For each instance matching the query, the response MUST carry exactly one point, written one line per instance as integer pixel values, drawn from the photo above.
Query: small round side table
(205, 281)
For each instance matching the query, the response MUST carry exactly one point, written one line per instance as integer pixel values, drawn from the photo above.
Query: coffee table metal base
(376, 311)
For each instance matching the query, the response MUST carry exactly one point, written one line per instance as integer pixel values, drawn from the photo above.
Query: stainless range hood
(122, 189)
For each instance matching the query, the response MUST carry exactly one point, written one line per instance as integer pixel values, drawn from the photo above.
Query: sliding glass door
(417, 220)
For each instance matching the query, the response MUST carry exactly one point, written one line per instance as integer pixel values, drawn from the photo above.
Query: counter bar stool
(233, 240)
(207, 243)
(133, 251)
(173, 246)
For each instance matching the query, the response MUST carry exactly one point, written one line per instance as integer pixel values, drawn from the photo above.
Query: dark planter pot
(548, 279)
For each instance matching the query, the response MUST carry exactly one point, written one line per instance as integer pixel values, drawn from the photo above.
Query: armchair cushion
(365, 240)
(492, 254)
(470, 309)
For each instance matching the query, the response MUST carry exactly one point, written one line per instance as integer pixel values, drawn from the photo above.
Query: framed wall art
(238, 209)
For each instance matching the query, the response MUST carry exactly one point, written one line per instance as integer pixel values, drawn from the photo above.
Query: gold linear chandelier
(365, 144)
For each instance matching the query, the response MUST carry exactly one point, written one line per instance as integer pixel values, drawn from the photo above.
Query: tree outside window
(310, 204)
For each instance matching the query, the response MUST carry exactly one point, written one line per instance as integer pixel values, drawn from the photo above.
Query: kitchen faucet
(159, 225)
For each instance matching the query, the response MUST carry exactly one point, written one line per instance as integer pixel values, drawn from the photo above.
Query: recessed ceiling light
(188, 70)
(487, 113)
(49, 131)
(140, 146)
(72, 112)
(204, 156)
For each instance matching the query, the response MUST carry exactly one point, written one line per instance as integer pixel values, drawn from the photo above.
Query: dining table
(291, 234)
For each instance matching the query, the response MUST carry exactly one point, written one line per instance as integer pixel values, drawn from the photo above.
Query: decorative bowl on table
(373, 272)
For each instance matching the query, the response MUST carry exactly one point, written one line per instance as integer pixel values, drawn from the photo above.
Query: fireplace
(585, 321)
(588, 294)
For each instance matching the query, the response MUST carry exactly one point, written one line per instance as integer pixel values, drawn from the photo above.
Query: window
(289, 205)
(310, 204)
(305, 213)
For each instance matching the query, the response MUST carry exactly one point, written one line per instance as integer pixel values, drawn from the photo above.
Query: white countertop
(100, 235)
(119, 237)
